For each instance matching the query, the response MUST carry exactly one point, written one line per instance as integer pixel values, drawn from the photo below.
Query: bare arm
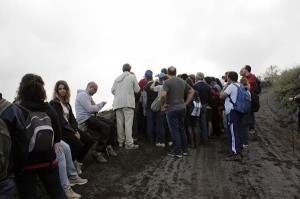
(190, 96)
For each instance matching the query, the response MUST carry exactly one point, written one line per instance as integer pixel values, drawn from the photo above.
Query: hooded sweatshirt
(123, 90)
(83, 106)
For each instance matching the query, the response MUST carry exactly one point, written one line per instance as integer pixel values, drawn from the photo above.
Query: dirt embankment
(269, 170)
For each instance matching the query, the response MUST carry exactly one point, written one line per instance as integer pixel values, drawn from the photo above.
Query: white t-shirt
(231, 90)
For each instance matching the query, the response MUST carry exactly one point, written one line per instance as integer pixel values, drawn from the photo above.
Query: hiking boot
(110, 151)
(78, 166)
(133, 146)
(77, 181)
(98, 157)
(235, 157)
(71, 194)
(171, 154)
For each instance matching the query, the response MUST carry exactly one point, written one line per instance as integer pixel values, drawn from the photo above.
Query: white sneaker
(133, 146)
(162, 145)
(158, 144)
(71, 194)
(170, 143)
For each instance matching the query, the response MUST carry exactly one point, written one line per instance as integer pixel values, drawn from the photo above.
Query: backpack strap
(23, 108)
(3, 105)
(230, 97)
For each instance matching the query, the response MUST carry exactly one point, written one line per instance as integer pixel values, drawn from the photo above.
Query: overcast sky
(81, 41)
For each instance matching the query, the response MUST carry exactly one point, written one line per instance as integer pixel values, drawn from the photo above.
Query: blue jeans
(6, 188)
(203, 125)
(177, 129)
(161, 124)
(26, 183)
(65, 164)
(153, 120)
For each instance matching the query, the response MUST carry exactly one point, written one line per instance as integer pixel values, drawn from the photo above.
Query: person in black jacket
(15, 123)
(79, 142)
(31, 95)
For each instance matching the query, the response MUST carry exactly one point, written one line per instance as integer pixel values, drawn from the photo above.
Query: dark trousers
(27, 181)
(234, 133)
(177, 128)
(79, 147)
(105, 137)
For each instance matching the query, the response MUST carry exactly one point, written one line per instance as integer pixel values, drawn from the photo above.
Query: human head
(199, 76)
(161, 75)
(31, 88)
(213, 79)
(244, 82)
(207, 79)
(184, 76)
(62, 91)
(148, 74)
(192, 77)
(172, 71)
(232, 77)
(92, 88)
(126, 67)
(248, 68)
(164, 70)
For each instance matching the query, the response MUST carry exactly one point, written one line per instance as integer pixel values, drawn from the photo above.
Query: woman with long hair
(80, 143)
(31, 97)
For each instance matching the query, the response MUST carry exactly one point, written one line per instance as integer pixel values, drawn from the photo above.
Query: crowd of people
(192, 109)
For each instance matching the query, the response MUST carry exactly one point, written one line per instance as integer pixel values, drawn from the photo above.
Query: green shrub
(287, 85)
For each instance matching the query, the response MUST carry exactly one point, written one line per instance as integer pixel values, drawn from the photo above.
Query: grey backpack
(5, 142)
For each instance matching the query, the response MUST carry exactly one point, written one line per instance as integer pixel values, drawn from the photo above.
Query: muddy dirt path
(269, 170)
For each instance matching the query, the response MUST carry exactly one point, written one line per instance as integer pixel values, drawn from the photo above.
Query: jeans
(176, 125)
(203, 125)
(65, 164)
(7, 188)
(161, 123)
(26, 183)
(153, 120)
(234, 131)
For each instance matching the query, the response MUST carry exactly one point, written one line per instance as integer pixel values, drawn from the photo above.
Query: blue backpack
(243, 100)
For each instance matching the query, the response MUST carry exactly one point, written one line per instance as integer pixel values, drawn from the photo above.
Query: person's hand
(77, 134)
(58, 148)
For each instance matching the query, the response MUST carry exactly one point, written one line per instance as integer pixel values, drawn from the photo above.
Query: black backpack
(5, 142)
(40, 134)
(257, 87)
(255, 102)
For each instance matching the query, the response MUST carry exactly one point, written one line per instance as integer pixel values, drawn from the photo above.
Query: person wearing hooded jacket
(31, 96)
(14, 120)
(123, 90)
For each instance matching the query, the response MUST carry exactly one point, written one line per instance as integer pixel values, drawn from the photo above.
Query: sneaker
(133, 146)
(110, 151)
(78, 166)
(162, 145)
(120, 144)
(71, 194)
(171, 154)
(98, 157)
(185, 153)
(170, 143)
(77, 181)
(245, 146)
(158, 144)
(235, 157)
